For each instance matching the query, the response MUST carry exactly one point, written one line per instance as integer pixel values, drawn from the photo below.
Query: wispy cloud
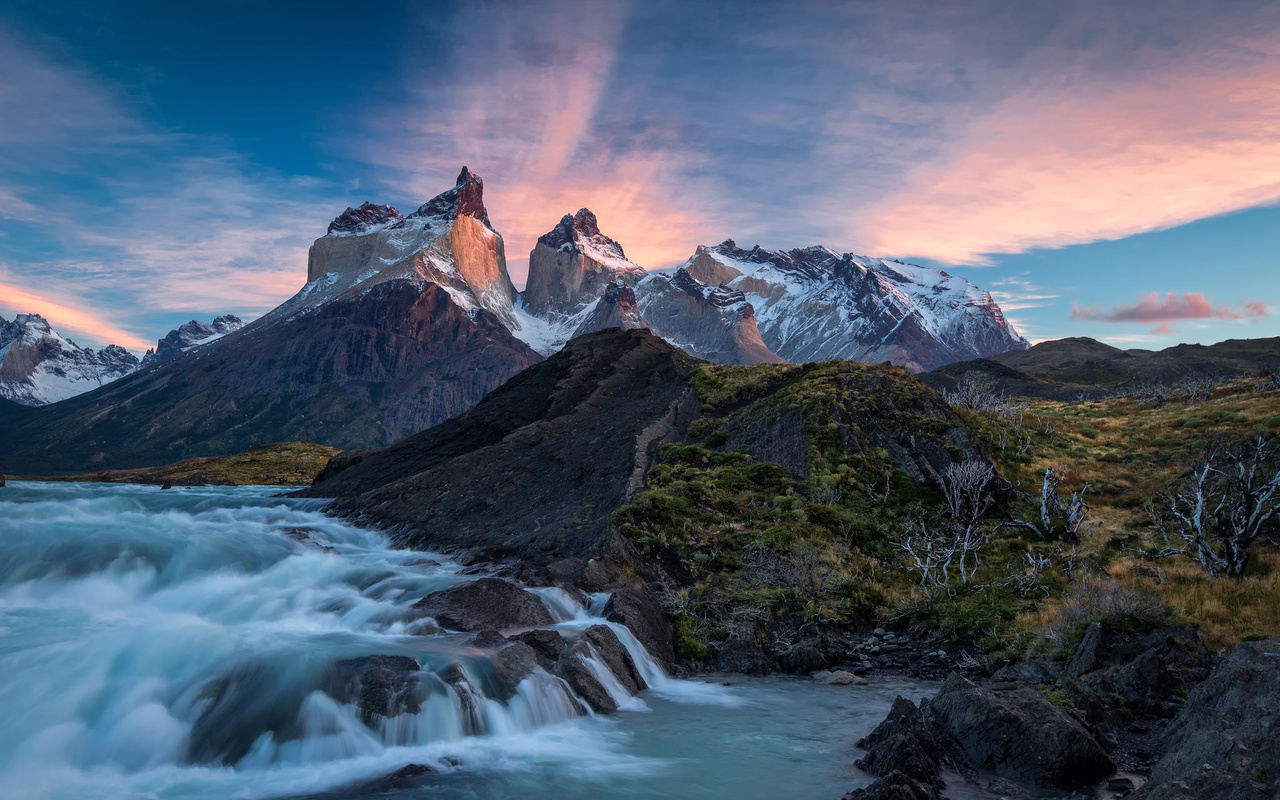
(124, 221)
(1164, 311)
(1084, 153)
(66, 317)
(532, 112)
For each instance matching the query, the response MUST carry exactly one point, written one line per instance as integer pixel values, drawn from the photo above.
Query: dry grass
(1129, 453)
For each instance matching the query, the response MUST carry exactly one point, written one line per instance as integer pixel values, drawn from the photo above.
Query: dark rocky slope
(535, 471)
(357, 370)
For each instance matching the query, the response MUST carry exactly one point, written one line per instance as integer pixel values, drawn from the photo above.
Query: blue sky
(1108, 170)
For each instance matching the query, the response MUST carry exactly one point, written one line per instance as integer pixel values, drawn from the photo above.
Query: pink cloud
(1081, 159)
(1172, 307)
(525, 112)
(65, 317)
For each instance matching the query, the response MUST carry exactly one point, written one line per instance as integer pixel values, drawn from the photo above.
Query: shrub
(1192, 423)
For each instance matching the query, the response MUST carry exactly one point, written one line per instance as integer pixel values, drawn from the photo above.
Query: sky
(1105, 169)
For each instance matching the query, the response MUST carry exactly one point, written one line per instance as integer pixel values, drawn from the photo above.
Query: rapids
(172, 644)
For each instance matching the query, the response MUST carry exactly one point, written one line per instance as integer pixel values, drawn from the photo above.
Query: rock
(489, 640)
(546, 645)
(636, 607)
(403, 778)
(1085, 657)
(381, 686)
(802, 658)
(513, 664)
(742, 654)
(1222, 744)
(894, 786)
(1148, 677)
(600, 642)
(488, 603)
(906, 744)
(601, 572)
(1, 480)
(167, 485)
(843, 678)
(1019, 734)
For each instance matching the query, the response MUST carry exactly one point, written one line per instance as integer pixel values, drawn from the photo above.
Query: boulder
(1222, 744)
(803, 657)
(904, 744)
(1086, 657)
(1150, 676)
(1019, 734)
(636, 607)
(381, 686)
(600, 642)
(546, 645)
(488, 603)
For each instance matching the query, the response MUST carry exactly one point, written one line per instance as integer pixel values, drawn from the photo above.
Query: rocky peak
(576, 230)
(362, 220)
(190, 334)
(466, 199)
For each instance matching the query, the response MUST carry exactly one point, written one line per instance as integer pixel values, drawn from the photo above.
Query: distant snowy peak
(189, 335)
(813, 303)
(365, 219)
(581, 232)
(38, 366)
(709, 321)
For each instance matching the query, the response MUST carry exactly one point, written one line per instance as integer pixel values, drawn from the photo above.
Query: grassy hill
(285, 464)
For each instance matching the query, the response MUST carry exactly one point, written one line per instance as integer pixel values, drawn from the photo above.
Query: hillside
(285, 464)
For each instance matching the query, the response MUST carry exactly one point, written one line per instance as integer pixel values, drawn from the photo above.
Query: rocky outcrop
(485, 604)
(535, 471)
(1222, 744)
(189, 335)
(38, 366)
(572, 265)
(708, 321)
(365, 219)
(636, 607)
(599, 646)
(1019, 734)
(975, 733)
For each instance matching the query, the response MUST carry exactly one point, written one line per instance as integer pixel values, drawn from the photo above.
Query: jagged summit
(576, 230)
(192, 334)
(814, 304)
(466, 198)
(570, 267)
(362, 220)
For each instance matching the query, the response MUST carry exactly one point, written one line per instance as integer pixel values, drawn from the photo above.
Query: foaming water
(182, 644)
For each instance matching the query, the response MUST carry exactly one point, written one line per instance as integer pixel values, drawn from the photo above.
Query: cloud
(1091, 158)
(64, 316)
(1162, 311)
(535, 113)
(108, 211)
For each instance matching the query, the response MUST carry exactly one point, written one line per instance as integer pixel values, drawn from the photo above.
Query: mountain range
(408, 320)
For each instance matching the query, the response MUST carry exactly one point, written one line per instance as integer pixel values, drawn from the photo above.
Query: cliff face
(711, 322)
(572, 265)
(535, 470)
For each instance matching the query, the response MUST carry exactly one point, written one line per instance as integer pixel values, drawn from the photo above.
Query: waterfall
(147, 636)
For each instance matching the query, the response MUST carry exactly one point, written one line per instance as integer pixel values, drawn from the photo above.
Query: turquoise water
(143, 633)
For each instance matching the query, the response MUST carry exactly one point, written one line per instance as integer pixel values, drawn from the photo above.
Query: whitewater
(174, 644)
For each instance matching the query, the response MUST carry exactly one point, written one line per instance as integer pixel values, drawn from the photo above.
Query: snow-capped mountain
(188, 335)
(813, 304)
(749, 306)
(38, 366)
(404, 322)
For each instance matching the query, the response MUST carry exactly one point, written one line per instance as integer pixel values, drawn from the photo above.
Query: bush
(1089, 433)
(1192, 423)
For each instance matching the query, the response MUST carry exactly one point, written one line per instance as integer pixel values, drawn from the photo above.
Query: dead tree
(976, 392)
(1060, 520)
(952, 539)
(1221, 509)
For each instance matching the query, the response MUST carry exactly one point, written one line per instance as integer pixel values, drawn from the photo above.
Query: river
(169, 644)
